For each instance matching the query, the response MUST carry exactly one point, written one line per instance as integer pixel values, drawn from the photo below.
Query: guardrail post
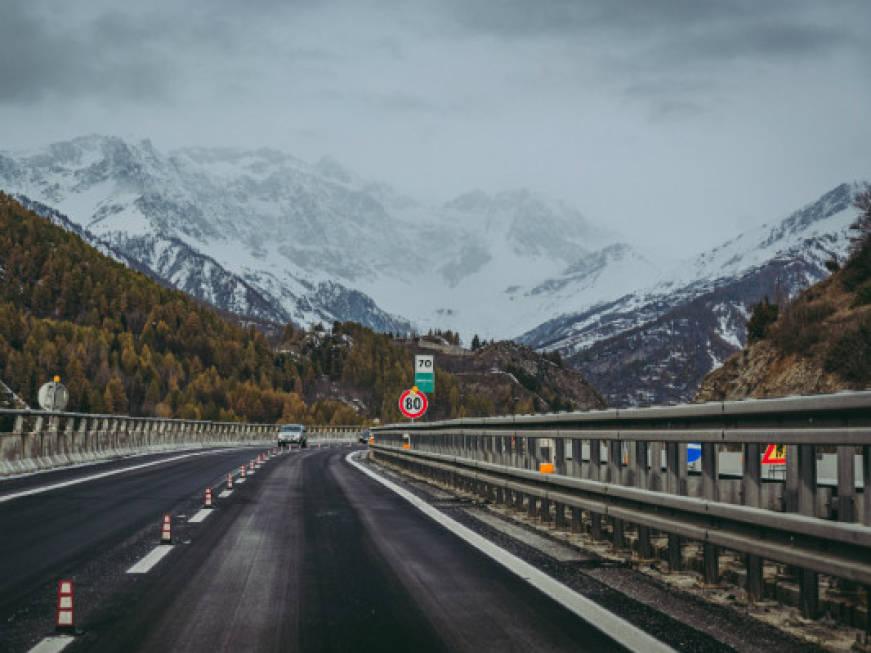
(866, 519)
(70, 439)
(615, 451)
(595, 472)
(655, 480)
(642, 480)
(577, 469)
(710, 491)
(532, 453)
(751, 495)
(18, 453)
(790, 485)
(676, 465)
(846, 500)
(808, 580)
(559, 465)
(87, 437)
(532, 463)
(846, 485)
(34, 448)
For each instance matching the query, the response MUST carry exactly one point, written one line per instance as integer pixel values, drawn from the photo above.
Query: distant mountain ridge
(317, 242)
(655, 346)
(819, 343)
(262, 233)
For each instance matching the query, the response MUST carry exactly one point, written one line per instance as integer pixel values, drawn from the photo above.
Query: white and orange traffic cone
(251, 465)
(229, 481)
(242, 471)
(65, 620)
(166, 530)
(207, 503)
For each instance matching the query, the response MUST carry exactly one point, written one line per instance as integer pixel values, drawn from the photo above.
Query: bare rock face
(761, 370)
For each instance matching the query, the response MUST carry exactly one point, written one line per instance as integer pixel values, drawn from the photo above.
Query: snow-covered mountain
(263, 233)
(655, 345)
(260, 232)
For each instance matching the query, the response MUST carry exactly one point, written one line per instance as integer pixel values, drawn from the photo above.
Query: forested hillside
(371, 369)
(125, 344)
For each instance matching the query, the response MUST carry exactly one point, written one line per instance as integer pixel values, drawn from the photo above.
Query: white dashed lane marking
(155, 556)
(200, 516)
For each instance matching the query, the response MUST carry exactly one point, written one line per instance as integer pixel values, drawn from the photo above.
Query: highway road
(309, 555)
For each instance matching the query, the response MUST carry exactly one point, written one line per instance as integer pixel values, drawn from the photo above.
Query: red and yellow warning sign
(775, 454)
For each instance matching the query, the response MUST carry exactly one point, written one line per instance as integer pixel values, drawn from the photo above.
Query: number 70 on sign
(424, 372)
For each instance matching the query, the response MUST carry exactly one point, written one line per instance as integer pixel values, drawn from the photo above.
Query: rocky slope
(655, 346)
(819, 343)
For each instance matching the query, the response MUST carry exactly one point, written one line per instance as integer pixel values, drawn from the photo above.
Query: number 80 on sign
(413, 403)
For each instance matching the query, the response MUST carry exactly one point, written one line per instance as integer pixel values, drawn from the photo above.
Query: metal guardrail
(32, 440)
(621, 492)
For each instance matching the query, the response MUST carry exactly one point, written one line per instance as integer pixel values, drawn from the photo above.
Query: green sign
(424, 373)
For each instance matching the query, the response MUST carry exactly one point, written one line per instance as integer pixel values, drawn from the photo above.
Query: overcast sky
(676, 122)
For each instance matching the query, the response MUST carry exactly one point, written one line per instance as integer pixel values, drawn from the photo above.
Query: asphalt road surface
(308, 555)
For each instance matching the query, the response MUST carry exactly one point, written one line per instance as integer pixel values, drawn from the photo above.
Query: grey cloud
(39, 59)
(795, 25)
(115, 54)
(676, 110)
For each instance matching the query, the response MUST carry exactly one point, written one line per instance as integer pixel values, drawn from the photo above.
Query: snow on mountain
(260, 232)
(318, 242)
(812, 235)
(656, 345)
(252, 232)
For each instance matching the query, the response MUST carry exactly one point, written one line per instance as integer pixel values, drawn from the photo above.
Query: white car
(291, 434)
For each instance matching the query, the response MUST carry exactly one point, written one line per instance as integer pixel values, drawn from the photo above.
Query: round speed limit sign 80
(412, 403)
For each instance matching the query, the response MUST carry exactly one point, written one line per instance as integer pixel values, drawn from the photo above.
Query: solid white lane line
(200, 516)
(52, 644)
(155, 556)
(225, 494)
(239, 481)
(94, 477)
(609, 623)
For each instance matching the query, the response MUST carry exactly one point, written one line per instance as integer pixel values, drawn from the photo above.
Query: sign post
(424, 372)
(413, 403)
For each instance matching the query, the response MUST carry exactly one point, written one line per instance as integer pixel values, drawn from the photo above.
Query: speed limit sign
(413, 403)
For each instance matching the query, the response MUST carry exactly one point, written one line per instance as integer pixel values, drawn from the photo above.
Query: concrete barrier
(32, 440)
